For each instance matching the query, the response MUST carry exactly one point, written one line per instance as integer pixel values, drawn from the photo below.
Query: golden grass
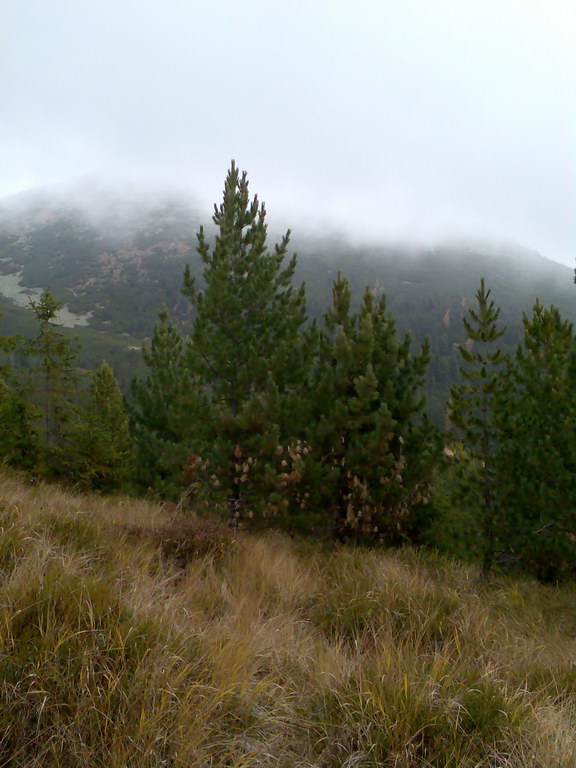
(115, 651)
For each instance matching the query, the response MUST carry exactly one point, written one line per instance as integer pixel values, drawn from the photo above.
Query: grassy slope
(263, 652)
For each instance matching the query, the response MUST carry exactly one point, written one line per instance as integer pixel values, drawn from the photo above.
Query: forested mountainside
(116, 262)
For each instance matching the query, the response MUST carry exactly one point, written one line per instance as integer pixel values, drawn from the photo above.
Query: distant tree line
(266, 418)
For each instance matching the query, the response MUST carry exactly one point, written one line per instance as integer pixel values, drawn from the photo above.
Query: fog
(414, 120)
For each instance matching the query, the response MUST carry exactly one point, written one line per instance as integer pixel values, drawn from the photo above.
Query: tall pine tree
(472, 409)
(7, 344)
(166, 410)
(53, 380)
(369, 432)
(18, 437)
(101, 443)
(248, 349)
(536, 467)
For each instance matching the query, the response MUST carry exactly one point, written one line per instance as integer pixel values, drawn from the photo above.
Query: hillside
(115, 262)
(134, 636)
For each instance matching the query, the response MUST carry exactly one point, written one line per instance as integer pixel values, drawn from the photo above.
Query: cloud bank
(402, 119)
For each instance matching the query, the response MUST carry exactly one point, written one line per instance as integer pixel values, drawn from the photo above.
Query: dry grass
(129, 637)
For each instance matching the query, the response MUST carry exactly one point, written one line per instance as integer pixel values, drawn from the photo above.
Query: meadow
(133, 635)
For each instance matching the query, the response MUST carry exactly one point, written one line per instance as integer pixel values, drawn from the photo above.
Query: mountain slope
(115, 262)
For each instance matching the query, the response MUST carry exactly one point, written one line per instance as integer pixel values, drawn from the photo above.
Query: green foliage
(454, 526)
(472, 410)
(18, 437)
(247, 351)
(101, 456)
(375, 446)
(536, 466)
(472, 403)
(248, 315)
(166, 409)
(274, 422)
(7, 344)
(52, 380)
(518, 419)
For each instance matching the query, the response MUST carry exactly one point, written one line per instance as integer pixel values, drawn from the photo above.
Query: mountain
(115, 259)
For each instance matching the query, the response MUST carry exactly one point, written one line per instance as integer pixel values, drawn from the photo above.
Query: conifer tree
(247, 348)
(472, 410)
(536, 466)
(166, 409)
(7, 344)
(376, 447)
(54, 380)
(101, 440)
(18, 438)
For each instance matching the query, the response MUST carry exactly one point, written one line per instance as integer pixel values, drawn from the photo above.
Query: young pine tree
(375, 446)
(101, 440)
(472, 409)
(536, 466)
(7, 344)
(166, 411)
(18, 438)
(248, 349)
(53, 380)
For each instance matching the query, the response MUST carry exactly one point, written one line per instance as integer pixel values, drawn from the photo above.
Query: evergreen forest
(251, 408)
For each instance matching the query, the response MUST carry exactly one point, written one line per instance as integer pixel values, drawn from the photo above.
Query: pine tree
(472, 410)
(247, 348)
(7, 344)
(101, 439)
(537, 462)
(53, 380)
(375, 446)
(18, 438)
(166, 411)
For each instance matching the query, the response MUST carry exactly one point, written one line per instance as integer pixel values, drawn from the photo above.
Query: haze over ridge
(390, 120)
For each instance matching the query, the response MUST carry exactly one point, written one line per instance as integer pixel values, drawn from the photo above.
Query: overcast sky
(392, 118)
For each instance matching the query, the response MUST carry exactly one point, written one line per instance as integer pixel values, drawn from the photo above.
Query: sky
(388, 119)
